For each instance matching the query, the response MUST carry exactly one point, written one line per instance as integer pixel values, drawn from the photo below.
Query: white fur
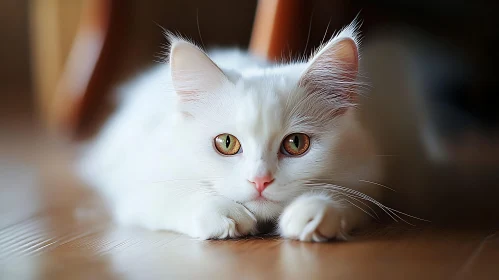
(155, 161)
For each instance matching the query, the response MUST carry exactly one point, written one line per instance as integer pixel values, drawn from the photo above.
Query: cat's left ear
(193, 72)
(332, 71)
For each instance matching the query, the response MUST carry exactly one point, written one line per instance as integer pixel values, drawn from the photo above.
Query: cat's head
(264, 135)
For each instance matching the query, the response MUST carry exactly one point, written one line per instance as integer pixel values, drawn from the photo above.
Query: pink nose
(261, 183)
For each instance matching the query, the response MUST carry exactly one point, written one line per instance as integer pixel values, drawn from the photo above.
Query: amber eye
(227, 144)
(295, 144)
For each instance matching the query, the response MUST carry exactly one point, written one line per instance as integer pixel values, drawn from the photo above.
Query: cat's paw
(311, 218)
(221, 219)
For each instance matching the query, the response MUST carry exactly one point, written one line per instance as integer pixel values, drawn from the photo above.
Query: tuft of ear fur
(332, 70)
(193, 72)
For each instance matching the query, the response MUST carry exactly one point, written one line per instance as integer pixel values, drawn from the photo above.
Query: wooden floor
(53, 228)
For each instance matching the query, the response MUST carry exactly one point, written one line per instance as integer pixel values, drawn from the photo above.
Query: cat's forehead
(262, 104)
(258, 102)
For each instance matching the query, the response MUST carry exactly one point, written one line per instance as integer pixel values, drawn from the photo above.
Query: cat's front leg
(199, 215)
(221, 218)
(317, 218)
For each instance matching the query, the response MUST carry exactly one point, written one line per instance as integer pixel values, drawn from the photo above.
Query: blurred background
(431, 66)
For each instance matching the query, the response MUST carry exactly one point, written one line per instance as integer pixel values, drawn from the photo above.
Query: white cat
(210, 148)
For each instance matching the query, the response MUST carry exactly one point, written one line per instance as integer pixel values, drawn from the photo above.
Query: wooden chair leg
(53, 25)
(84, 81)
(280, 28)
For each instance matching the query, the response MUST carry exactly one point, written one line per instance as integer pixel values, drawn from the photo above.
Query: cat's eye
(295, 144)
(227, 144)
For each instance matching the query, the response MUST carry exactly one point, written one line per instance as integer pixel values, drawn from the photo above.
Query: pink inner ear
(334, 69)
(346, 53)
(193, 72)
(339, 61)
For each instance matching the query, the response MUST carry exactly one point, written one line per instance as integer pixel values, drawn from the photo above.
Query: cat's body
(157, 164)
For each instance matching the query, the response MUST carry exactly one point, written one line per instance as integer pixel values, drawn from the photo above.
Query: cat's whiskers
(377, 184)
(363, 210)
(365, 204)
(334, 195)
(363, 196)
(393, 213)
(341, 196)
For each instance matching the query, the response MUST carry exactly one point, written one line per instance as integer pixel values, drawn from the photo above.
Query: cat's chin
(264, 210)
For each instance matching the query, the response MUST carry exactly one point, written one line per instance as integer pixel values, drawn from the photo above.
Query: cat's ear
(332, 70)
(193, 72)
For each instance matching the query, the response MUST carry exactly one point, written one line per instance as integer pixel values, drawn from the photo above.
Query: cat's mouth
(259, 199)
(262, 198)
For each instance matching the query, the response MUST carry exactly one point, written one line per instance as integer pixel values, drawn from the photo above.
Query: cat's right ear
(332, 71)
(193, 72)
